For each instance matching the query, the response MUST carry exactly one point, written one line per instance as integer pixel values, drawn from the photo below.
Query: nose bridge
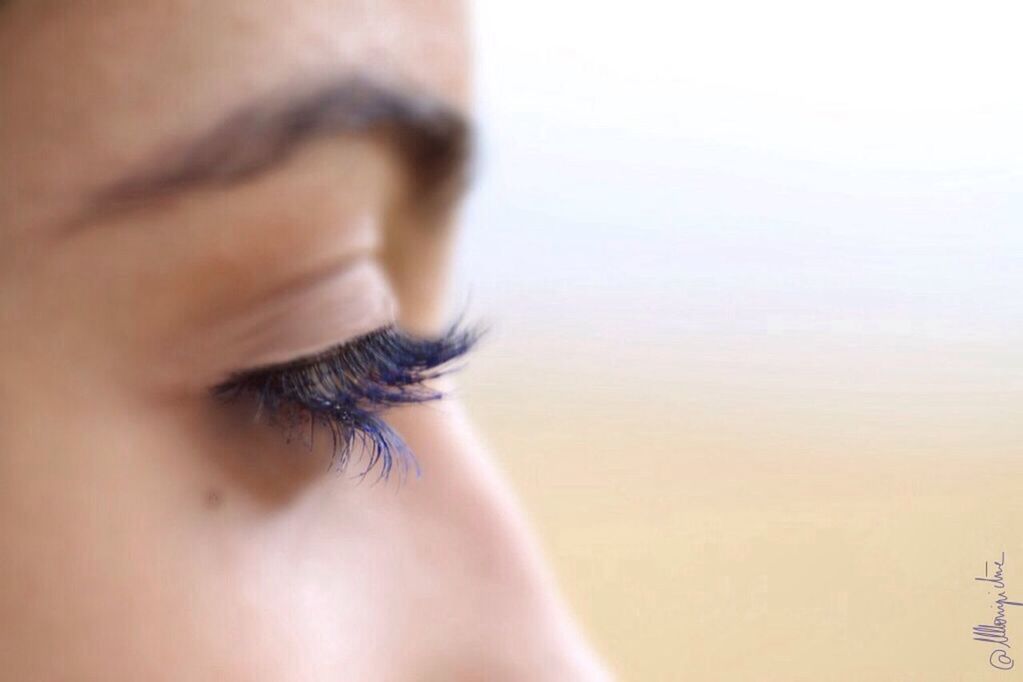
(515, 623)
(520, 628)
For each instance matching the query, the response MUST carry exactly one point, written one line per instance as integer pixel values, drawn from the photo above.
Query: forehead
(91, 86)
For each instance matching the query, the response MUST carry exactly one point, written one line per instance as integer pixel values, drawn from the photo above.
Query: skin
(148, 532)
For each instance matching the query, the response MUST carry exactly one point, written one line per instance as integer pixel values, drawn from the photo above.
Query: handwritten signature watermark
(996, 632)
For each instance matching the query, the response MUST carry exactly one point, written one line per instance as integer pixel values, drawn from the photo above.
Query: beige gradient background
(755, 364)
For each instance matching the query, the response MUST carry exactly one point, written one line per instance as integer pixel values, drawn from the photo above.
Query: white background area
(657, 169)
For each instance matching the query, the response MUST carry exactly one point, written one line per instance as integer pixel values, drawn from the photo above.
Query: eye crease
(346, 388)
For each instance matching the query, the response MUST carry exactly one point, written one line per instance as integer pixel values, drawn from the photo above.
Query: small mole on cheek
(213, 499)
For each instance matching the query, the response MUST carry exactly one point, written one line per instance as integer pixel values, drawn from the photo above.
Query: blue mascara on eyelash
(345, 389)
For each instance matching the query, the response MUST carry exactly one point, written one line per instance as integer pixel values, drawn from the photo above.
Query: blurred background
(753, 277)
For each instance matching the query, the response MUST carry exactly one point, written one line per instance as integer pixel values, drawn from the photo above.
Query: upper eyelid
(297, 323)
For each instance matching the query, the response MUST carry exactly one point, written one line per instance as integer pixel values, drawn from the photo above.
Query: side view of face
(225, 235)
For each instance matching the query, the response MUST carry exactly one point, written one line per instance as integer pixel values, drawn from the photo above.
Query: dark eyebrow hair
(434, 138)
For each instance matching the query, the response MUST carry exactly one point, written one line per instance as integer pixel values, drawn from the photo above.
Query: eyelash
(346, 388)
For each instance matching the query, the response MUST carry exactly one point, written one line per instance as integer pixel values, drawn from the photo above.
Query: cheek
(144, 536)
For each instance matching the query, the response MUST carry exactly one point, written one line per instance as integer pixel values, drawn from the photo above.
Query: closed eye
(345, 389)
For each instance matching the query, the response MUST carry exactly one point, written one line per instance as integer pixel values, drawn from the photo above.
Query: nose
(499, 610)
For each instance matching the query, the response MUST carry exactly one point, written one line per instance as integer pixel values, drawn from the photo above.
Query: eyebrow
(432, 137)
